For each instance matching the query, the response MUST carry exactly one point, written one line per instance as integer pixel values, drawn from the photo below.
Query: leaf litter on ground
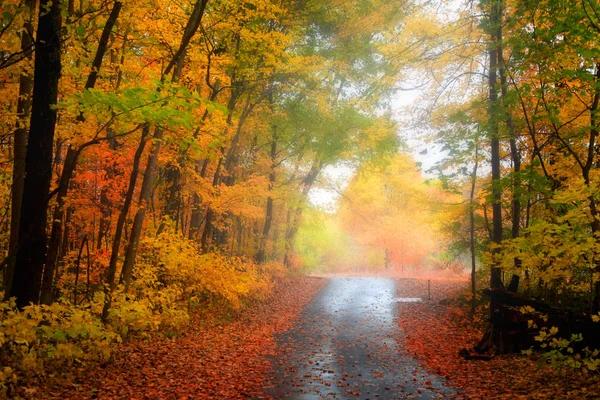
(435, 331)
(213, 359)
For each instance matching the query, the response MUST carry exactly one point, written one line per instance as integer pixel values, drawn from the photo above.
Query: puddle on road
(408, 300)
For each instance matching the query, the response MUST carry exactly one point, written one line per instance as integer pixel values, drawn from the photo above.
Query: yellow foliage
(172, 272)
(41, 337)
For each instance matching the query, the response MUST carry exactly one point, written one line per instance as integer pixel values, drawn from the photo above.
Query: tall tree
(20, 145)
(31, 252)
(494, 28)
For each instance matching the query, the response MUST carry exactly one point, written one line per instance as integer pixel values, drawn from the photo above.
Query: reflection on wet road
(345, 346)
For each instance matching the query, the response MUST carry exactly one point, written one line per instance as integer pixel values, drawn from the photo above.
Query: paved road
(344, 347)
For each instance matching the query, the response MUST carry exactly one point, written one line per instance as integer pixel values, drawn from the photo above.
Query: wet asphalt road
(345, 347)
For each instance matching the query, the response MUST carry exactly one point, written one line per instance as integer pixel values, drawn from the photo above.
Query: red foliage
(214, 359)
(435, 331)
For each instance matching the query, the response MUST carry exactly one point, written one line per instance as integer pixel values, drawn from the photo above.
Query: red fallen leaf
(213, 360)
(434, 332)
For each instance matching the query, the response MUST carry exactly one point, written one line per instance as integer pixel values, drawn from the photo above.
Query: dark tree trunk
(516, 161)
(206, 242)
(144, 201)
(261, 254)
(112, 266)
(592, 153)
(472, 238)
(196, 217)
(494, 133)
(20, 149)
(105, 204)
(31, 252)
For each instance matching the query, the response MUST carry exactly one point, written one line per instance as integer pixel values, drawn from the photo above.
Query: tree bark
(516, 161)
(20, 149)
(494, 133)
(31, 252)
(112, 266)
(138, 220)
(472, 238)
(105, 204)
(261, 254)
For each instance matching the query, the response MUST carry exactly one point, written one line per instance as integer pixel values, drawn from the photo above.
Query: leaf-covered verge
(435, 331)
(223, 355)
(173, 284)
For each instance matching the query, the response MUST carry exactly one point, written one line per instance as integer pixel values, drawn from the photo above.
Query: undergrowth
(173, 282)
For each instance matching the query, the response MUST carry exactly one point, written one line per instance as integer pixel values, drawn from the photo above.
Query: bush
(43, 337)
(171, 279)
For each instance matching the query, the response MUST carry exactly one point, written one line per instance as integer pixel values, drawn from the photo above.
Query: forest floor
(216, 359)
(435, 331)
(292, 344)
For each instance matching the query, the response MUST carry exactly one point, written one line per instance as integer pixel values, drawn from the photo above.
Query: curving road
(344, 346)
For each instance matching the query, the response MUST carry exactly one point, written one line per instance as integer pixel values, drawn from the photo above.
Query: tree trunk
(20, 148)
(197, 209)
(112, 266)
(105, 204)
(494, 133)
(31, 252)
(516, 161)
(472, 238)
(592, 153)
(174, 66)
(261, 254)
(138, 220)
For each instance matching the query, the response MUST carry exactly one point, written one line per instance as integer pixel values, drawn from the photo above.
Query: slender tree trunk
(197, 211)
(590, 162)
(494, 133)
(31, 252)
(261, 254)
(516, 161)
(208, 231)
(20, 147)
(174, 66)
(144, 201)
(105, 204)
(112, 266)
(472, 238)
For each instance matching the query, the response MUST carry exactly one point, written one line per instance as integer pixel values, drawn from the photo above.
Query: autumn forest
(196, 197)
